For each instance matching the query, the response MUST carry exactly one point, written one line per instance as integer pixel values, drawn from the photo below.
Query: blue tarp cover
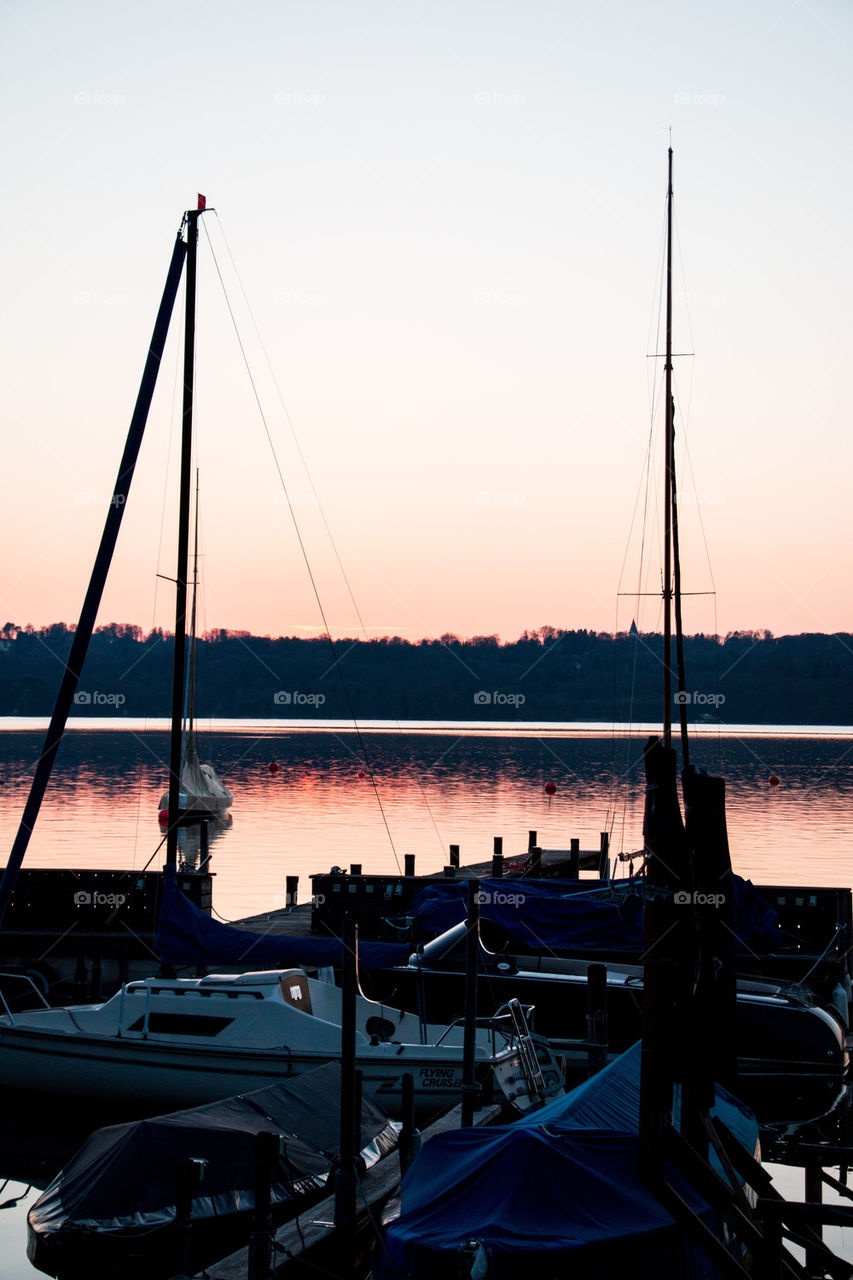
(185, 935)
(558, 913)
(556, 1190)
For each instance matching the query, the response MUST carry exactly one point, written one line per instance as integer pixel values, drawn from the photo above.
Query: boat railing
(19, 977)
(501, 1023)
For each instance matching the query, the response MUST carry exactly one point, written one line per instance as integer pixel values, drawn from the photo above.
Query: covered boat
(202, 790)
(553, 1195)
(113, 1207)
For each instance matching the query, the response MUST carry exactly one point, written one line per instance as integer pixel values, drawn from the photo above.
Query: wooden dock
(294, 1239)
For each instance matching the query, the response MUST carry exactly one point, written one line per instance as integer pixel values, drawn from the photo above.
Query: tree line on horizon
(547, 674)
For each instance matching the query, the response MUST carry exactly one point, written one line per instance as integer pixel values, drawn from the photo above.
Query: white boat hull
(177, 1043)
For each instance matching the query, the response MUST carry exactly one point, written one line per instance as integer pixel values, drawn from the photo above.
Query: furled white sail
(201, 788)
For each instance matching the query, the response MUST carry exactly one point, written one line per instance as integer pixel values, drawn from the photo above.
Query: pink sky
(448, 228)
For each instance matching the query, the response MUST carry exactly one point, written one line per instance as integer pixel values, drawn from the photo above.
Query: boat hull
(143, 1076)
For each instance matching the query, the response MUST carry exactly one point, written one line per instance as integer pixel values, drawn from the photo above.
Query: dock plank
(294, 1237)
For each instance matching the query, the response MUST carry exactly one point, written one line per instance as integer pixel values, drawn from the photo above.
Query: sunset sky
(447, 219)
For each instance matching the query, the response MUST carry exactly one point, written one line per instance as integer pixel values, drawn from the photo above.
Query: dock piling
(596, 1018)
(190, 1173)
(409, 1143)
(291, 891)
(498, 858)
(345, 1178)
(470, 1088)
(268, 1148)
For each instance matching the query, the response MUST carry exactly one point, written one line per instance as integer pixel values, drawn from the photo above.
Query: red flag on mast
(202, 203)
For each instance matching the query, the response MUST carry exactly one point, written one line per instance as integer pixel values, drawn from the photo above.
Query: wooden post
(408, 864)
(345, 1178)
(355, 869)
(410, 1139)
(498, 858)
(536, 862)
(189, 1175)
(531, 840)
(454, 855)
(575, 858)
(291, 891)
(267, 1150)
(470, 1088)
(814, 1195)
(604, 856)
(596, 1018)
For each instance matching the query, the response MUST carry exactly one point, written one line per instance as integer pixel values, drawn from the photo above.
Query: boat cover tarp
(201, 786)
(554, 913)
(186, 935)
(556, 1193)
(124, 1176)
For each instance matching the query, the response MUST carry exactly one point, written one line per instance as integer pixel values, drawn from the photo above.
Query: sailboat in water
(202, 791)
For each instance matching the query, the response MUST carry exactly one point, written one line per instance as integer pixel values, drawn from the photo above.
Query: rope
(316, 496)
(303, 550)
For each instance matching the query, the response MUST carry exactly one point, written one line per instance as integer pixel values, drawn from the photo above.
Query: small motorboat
(163, 1043)
(780, 1032)
(112, 1210)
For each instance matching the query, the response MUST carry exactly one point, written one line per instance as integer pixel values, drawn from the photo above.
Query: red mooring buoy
(163, 817)
(362, 774)
(550, 788)
(273, 766)
(774, 780)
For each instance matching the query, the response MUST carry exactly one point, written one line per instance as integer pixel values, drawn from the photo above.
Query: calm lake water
(434, 785)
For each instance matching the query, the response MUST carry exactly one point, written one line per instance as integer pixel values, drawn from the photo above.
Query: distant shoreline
(437, 728)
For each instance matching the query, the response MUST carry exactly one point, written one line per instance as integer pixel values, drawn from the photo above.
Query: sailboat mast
(668, 480)
(191, 696)
(179, 665)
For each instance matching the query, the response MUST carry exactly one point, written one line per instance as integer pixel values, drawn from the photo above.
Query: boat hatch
(182, 1024)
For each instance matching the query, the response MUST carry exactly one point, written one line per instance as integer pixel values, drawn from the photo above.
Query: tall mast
(179, 665)
(95, 590)
(668, 481)
(191, 695)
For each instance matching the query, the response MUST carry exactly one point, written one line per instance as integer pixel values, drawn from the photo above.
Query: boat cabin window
(182, 1024)
(295, 990)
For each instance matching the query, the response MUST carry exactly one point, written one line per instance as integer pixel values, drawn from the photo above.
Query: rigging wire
(303, 550)
(320, 508)
(646, 486)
